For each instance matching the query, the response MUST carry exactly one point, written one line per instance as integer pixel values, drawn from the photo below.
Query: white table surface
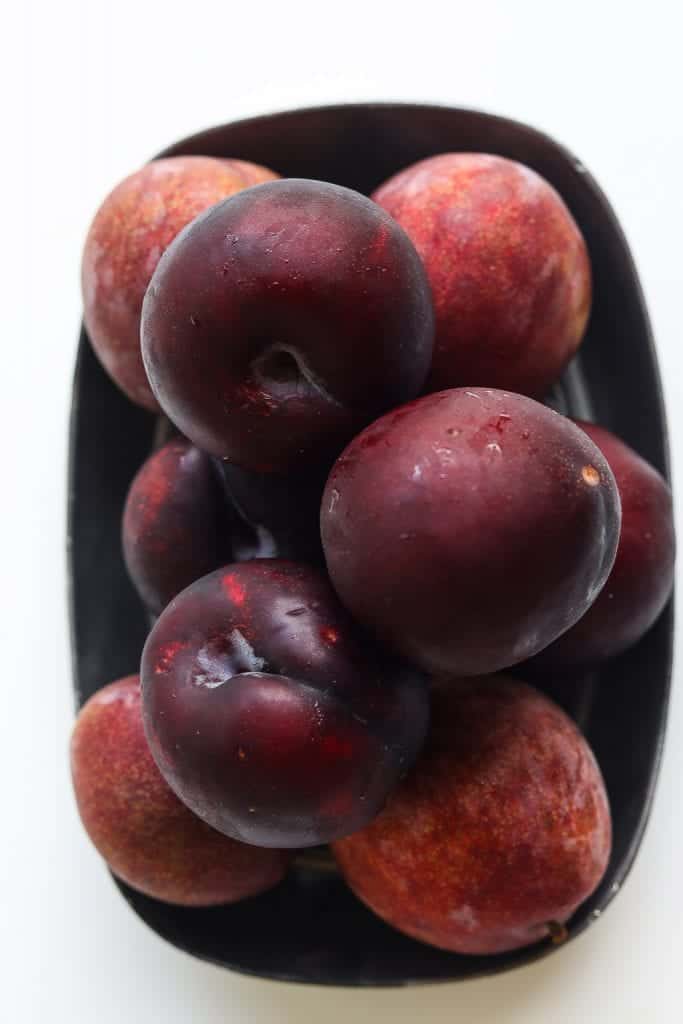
(89, 91)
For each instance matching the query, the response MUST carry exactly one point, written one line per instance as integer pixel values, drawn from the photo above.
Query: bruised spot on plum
(234, 589)
(167, 656)
(194, 320)
(329, 635)
(591, 476)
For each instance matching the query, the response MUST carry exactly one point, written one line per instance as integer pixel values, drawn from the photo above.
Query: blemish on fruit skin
(334, 498)
(241, 754)
(329, 635)
(167, 655)
(590, 476)
(234, 589)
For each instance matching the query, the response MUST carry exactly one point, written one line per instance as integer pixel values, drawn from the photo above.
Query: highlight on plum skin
(498, 834)
(641, 579)
(470, 528)
(146, 835)
(283, 320)
(130, 231)
(176, 526)
(270, 714)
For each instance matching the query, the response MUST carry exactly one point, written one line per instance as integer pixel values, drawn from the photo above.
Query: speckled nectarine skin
(501, 829)
(507, 264)
(146, 835)
(130, 231)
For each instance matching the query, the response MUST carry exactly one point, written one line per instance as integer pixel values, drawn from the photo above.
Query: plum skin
(641, 579)
(281, 511)
(129, 232)
(175, 525)
(470, 528)
(149, 838)
(283, 320)
(499, 833)
(269, 714)
(507, 265)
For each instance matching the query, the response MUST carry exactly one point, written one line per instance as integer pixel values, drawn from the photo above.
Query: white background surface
(89, 91)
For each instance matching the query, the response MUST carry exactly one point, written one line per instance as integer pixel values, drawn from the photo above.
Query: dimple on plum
(269, 714)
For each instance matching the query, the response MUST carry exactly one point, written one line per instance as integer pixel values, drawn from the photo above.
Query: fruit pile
(363, 515)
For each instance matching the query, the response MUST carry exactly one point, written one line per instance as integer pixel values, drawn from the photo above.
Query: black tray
(310, 928)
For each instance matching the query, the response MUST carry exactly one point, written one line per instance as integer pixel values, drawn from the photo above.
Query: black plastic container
(310, 928)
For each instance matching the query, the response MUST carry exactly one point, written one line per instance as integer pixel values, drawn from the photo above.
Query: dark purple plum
(470, 528)
(176, 526)
(267, 711)
(281, 512)
(285, 319)
(641, 580)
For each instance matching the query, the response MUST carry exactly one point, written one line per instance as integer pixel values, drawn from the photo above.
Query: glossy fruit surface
(470, 528)
(280, 511)
(284, 320)
(499, 833)
(147, 836)
(267, 711)
(507, 265)
(131, 229)
(641, 579)
(176, 526)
